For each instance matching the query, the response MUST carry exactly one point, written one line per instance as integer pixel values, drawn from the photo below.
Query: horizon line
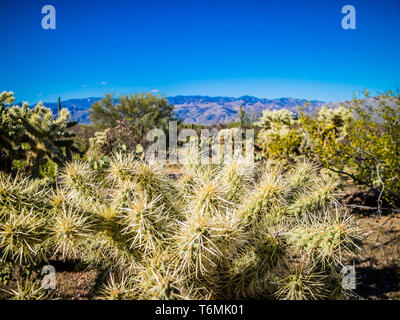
(174, 96)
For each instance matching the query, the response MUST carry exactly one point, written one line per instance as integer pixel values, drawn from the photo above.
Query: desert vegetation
(199, 237)
(276, 229)
(359, 140)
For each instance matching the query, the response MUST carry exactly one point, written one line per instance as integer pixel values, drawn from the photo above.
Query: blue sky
(268, 49)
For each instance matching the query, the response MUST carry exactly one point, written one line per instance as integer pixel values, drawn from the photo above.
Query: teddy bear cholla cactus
(213, 232)
(22, 224)
(221, 246)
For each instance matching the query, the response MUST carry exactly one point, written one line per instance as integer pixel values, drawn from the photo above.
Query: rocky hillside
(211, 110)
(198, 109)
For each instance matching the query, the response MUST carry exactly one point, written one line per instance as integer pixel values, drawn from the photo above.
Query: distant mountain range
(198, 109)
(211, 110)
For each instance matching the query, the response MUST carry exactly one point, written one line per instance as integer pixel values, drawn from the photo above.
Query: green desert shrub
(126, 120)
(357, 139)
(360, 140)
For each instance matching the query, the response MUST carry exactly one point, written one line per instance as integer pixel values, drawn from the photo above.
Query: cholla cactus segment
(121, 169)
(99, 144)
(28, 290)
(57, 198)
(161, 281)
(231, 233)
(300, 178)
(78, 175)
(236, 177)
(190, 156)
(149, 175)
(337, 117)
(186, 184)
(21, 234)
(117, 288)
(210, 198)
(241, 278)
(319, 195)
(197, 240)
(276, 118)
(68, 229)
(80, 180)
(19, 191)
(147, 224)
(6, 97)
(302, 284)
(109, 251)
(248, 273)
(267, 196)
(152, 179)
(327, 239)
(121, 195)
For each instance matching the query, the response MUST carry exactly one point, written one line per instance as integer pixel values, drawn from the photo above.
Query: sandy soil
(378, 265)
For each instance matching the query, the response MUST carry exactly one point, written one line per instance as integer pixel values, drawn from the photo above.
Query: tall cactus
(241, 116)
(59, 107)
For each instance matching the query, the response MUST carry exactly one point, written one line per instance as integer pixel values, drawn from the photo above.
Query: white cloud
(154, 90)
(103, 83)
